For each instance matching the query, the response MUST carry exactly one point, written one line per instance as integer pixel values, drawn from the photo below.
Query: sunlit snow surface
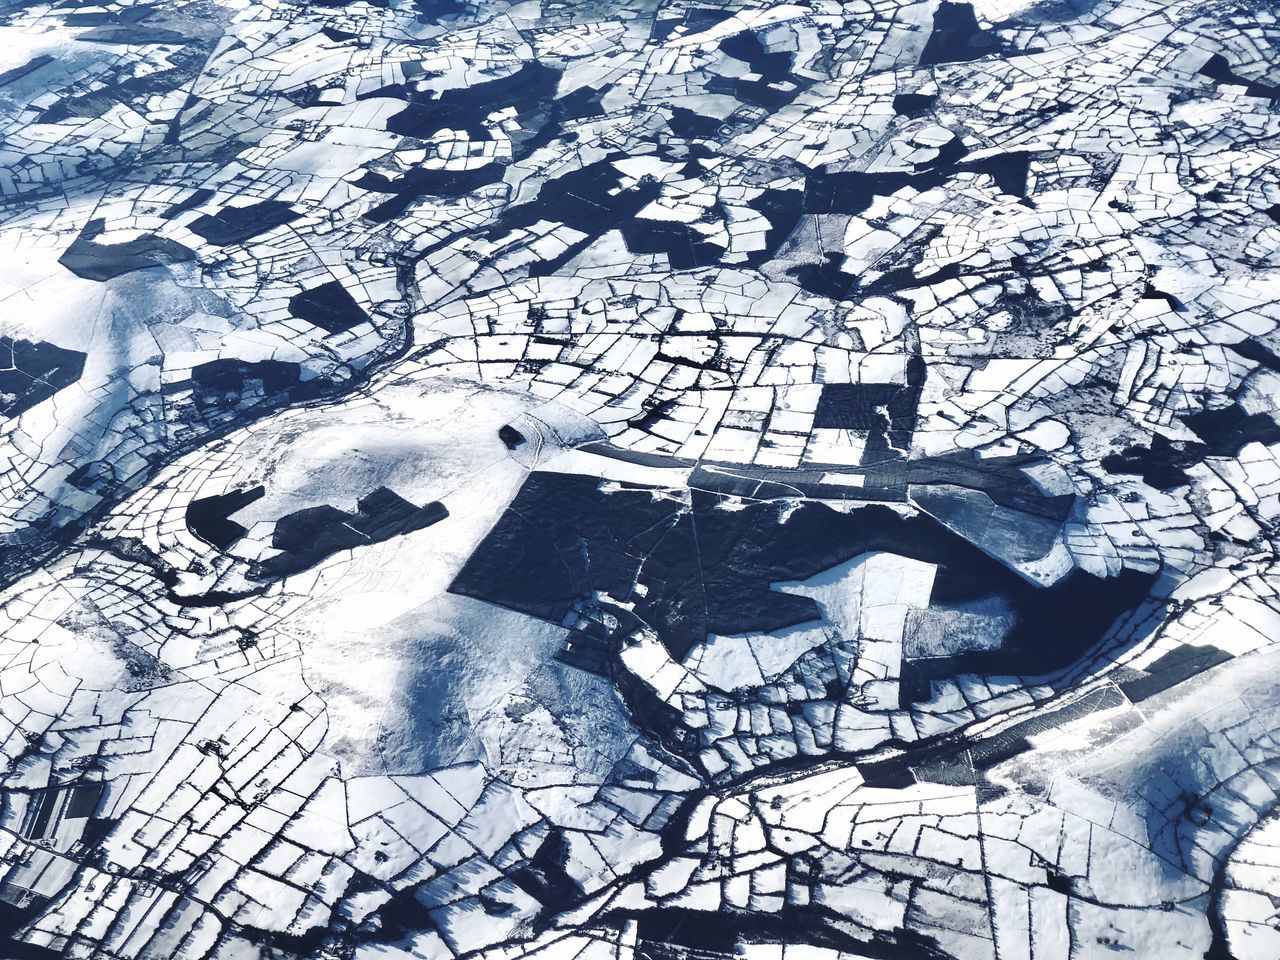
(639, 481)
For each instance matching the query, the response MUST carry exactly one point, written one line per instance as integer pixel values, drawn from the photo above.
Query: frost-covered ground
(647, 481)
